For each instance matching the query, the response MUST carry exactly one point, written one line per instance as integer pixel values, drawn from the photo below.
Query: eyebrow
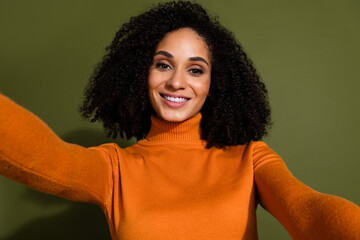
(169, 55)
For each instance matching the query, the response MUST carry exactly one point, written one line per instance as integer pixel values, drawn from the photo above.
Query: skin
(180, 75)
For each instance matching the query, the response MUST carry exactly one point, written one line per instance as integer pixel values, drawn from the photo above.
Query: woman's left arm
(304, 212)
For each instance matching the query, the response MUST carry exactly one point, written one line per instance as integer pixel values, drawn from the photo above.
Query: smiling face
(179, 77)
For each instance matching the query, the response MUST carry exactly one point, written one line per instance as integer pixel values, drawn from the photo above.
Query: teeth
(176, 99)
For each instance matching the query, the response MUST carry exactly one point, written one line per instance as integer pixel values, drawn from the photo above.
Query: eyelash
(162, 65)
(194, 71)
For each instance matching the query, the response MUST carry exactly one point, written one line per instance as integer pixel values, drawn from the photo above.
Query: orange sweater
(168, 186)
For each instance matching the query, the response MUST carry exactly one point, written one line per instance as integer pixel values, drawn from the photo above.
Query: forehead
(184, 41)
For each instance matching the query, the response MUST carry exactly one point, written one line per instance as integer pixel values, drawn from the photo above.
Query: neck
(188, 130)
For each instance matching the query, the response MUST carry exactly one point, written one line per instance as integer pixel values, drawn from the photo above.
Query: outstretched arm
(305, 213)
(32, 154)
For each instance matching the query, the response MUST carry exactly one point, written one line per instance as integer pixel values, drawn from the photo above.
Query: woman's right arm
(32, 154)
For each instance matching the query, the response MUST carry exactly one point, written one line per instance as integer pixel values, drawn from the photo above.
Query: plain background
(307, 53)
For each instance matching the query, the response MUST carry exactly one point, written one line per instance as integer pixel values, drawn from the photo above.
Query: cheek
(151, 88)
(202, 88)
(151, 80)
(155, 80)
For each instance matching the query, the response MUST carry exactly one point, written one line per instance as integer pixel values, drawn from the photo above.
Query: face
(179, 77)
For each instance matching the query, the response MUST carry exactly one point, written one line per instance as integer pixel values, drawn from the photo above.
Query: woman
(179, 79)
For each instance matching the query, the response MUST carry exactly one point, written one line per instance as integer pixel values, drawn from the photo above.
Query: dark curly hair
(235, 112)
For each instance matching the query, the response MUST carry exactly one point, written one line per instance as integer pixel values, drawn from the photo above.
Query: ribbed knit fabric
(169, 186)
(174, 131)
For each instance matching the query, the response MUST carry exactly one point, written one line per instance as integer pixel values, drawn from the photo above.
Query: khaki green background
(307, 53)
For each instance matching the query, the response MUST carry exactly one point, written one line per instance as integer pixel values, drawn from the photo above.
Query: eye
(162, 66)
(196, 71)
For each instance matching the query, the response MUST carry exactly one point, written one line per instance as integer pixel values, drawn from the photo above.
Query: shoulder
(262, 154)
(108, 150)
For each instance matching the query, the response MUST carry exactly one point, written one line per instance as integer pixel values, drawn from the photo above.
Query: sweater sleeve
(32, 154)
(304, 212)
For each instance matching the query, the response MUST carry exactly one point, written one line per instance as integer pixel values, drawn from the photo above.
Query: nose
(177, 80)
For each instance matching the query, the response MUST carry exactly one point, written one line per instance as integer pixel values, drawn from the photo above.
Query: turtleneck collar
(188, 130)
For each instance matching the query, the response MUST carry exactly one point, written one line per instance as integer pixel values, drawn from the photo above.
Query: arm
(32, 154)
(305, 213)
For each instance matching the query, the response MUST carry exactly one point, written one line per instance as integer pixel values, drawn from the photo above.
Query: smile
(174, 99)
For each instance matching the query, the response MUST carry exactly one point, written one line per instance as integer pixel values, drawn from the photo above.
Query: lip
(173, 104)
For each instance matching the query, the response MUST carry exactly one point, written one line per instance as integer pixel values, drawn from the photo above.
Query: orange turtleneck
(169, 186)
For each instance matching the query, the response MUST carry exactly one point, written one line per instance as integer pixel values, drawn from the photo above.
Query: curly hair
(235, 112)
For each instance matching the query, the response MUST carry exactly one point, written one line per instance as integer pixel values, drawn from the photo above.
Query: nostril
(176, 83)
(177, 80)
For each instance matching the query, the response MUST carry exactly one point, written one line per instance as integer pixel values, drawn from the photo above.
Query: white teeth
(176, 99)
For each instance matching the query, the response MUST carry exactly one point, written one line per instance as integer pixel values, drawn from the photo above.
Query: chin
(174, 116)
